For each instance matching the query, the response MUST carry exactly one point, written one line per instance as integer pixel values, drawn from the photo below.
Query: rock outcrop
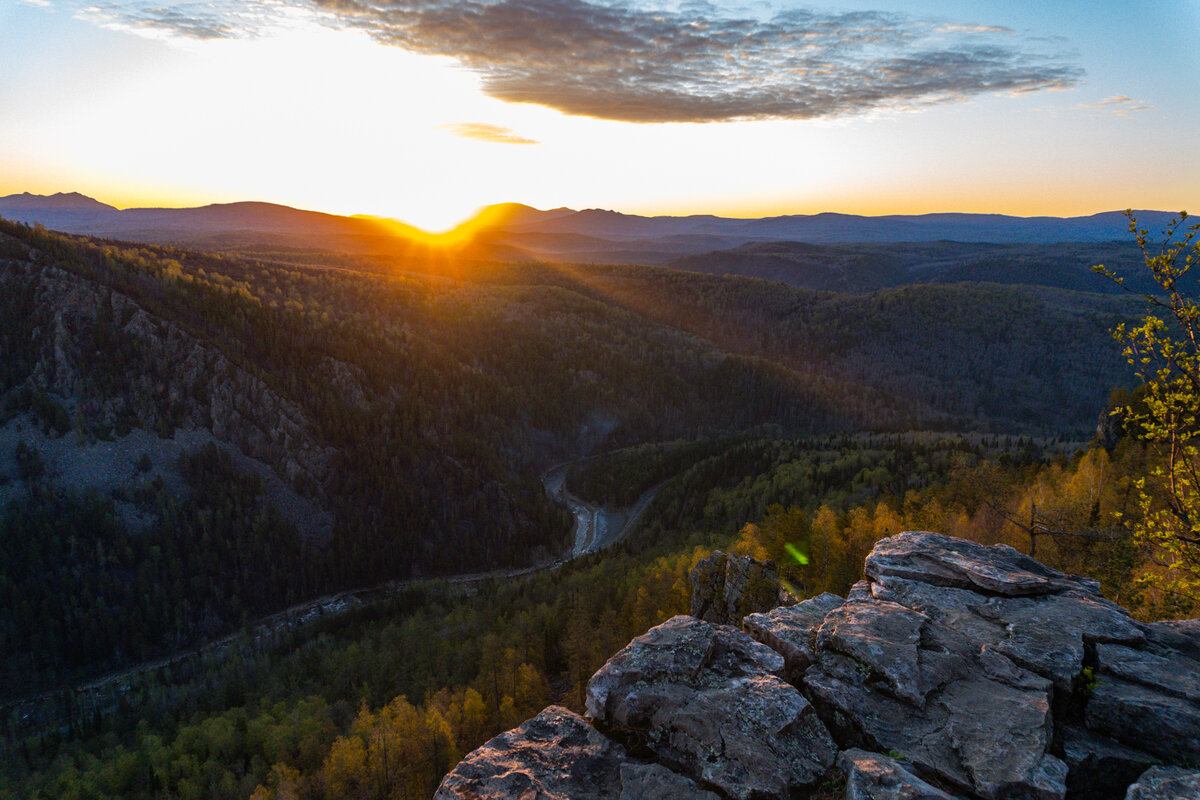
(954, 671)
(708, 701)
(1166, 783)
(557, 755)
(871, 776)
(725, 588)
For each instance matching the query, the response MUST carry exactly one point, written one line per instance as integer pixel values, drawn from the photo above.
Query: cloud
(38, 3)
(953, 28)
(692, 63)
(199, 21)
(1119, 104)
(482, 132)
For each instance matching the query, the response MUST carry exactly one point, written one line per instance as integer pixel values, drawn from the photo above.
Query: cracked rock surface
(557, 755)
(708, 701)
(954, 671)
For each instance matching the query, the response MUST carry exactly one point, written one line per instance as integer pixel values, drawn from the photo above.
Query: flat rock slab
(885, 639)
(1166, 783)
(708, 701)
(557, 755)
(1142, 717)
(956, 736)
(1172, 673)
(871, 776)
(1050, 634)
(950, 655)
(946, 561)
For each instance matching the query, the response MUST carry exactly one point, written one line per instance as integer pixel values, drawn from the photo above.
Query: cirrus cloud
(1119, 105)
(695, 63)
(483, 132)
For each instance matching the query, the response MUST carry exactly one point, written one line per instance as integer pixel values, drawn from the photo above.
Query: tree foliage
(1164, 349)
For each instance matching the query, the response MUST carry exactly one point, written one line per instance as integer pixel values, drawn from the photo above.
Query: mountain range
(512, 231)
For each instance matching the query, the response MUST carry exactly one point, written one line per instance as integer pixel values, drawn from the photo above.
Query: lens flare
(795, 553)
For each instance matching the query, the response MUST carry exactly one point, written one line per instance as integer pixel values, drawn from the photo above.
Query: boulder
(954, 737)
(557, 755)
(725, 588)
(1166, 783)
(1140, 716)
(656, 782)
(980, 673)
(871, 776)
(946, 561)
(708, 701)
(1050, 634)
(922, 663)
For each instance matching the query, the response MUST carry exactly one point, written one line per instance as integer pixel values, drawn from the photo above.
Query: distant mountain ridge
(512, 231)
(867, 267)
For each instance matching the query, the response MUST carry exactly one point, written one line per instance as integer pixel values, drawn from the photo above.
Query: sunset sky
(427, 109)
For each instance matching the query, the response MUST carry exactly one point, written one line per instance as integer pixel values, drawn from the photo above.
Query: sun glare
(454, 237)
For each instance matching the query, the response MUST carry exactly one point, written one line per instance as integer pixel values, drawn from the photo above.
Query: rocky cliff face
(952, 672)
(725, 588)
(172, 379)
(113, 367)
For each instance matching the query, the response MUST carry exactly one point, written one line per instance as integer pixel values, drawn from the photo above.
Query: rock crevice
(953, 672)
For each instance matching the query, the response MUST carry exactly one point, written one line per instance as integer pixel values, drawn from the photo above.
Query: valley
(229, 470)
(599, 400)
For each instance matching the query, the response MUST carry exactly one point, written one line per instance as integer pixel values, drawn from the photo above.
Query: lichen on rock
(954, 671)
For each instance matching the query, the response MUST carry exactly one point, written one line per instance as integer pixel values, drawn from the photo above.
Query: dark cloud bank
(696, 64)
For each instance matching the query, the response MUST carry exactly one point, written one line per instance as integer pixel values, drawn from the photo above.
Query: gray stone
(1098, 767)
(956, 736)
(1138, 716)
(725, 588)
(859, 592)
(946, 561)
(957, 610)
(682, 651)
(860, 717)
(791, 630)
(1180, 636)
(707, 700)
(871, 776)
(886, 638)
(1001, 735)
(1169, 672)
(656, 782)
(556, 755)
(1049, 634)
(922, 669)
(1166, 783)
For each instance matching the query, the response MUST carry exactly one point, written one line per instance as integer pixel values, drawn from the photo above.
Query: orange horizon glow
(461, 229)
(314, 133)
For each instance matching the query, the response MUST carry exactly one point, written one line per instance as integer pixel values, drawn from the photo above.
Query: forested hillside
(382, 702)
(190, 442)
(384, 426)
(866, 267)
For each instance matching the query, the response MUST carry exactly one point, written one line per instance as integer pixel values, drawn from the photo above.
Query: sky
(425, 110)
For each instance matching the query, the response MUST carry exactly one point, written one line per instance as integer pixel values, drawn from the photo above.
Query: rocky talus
(953, 671)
